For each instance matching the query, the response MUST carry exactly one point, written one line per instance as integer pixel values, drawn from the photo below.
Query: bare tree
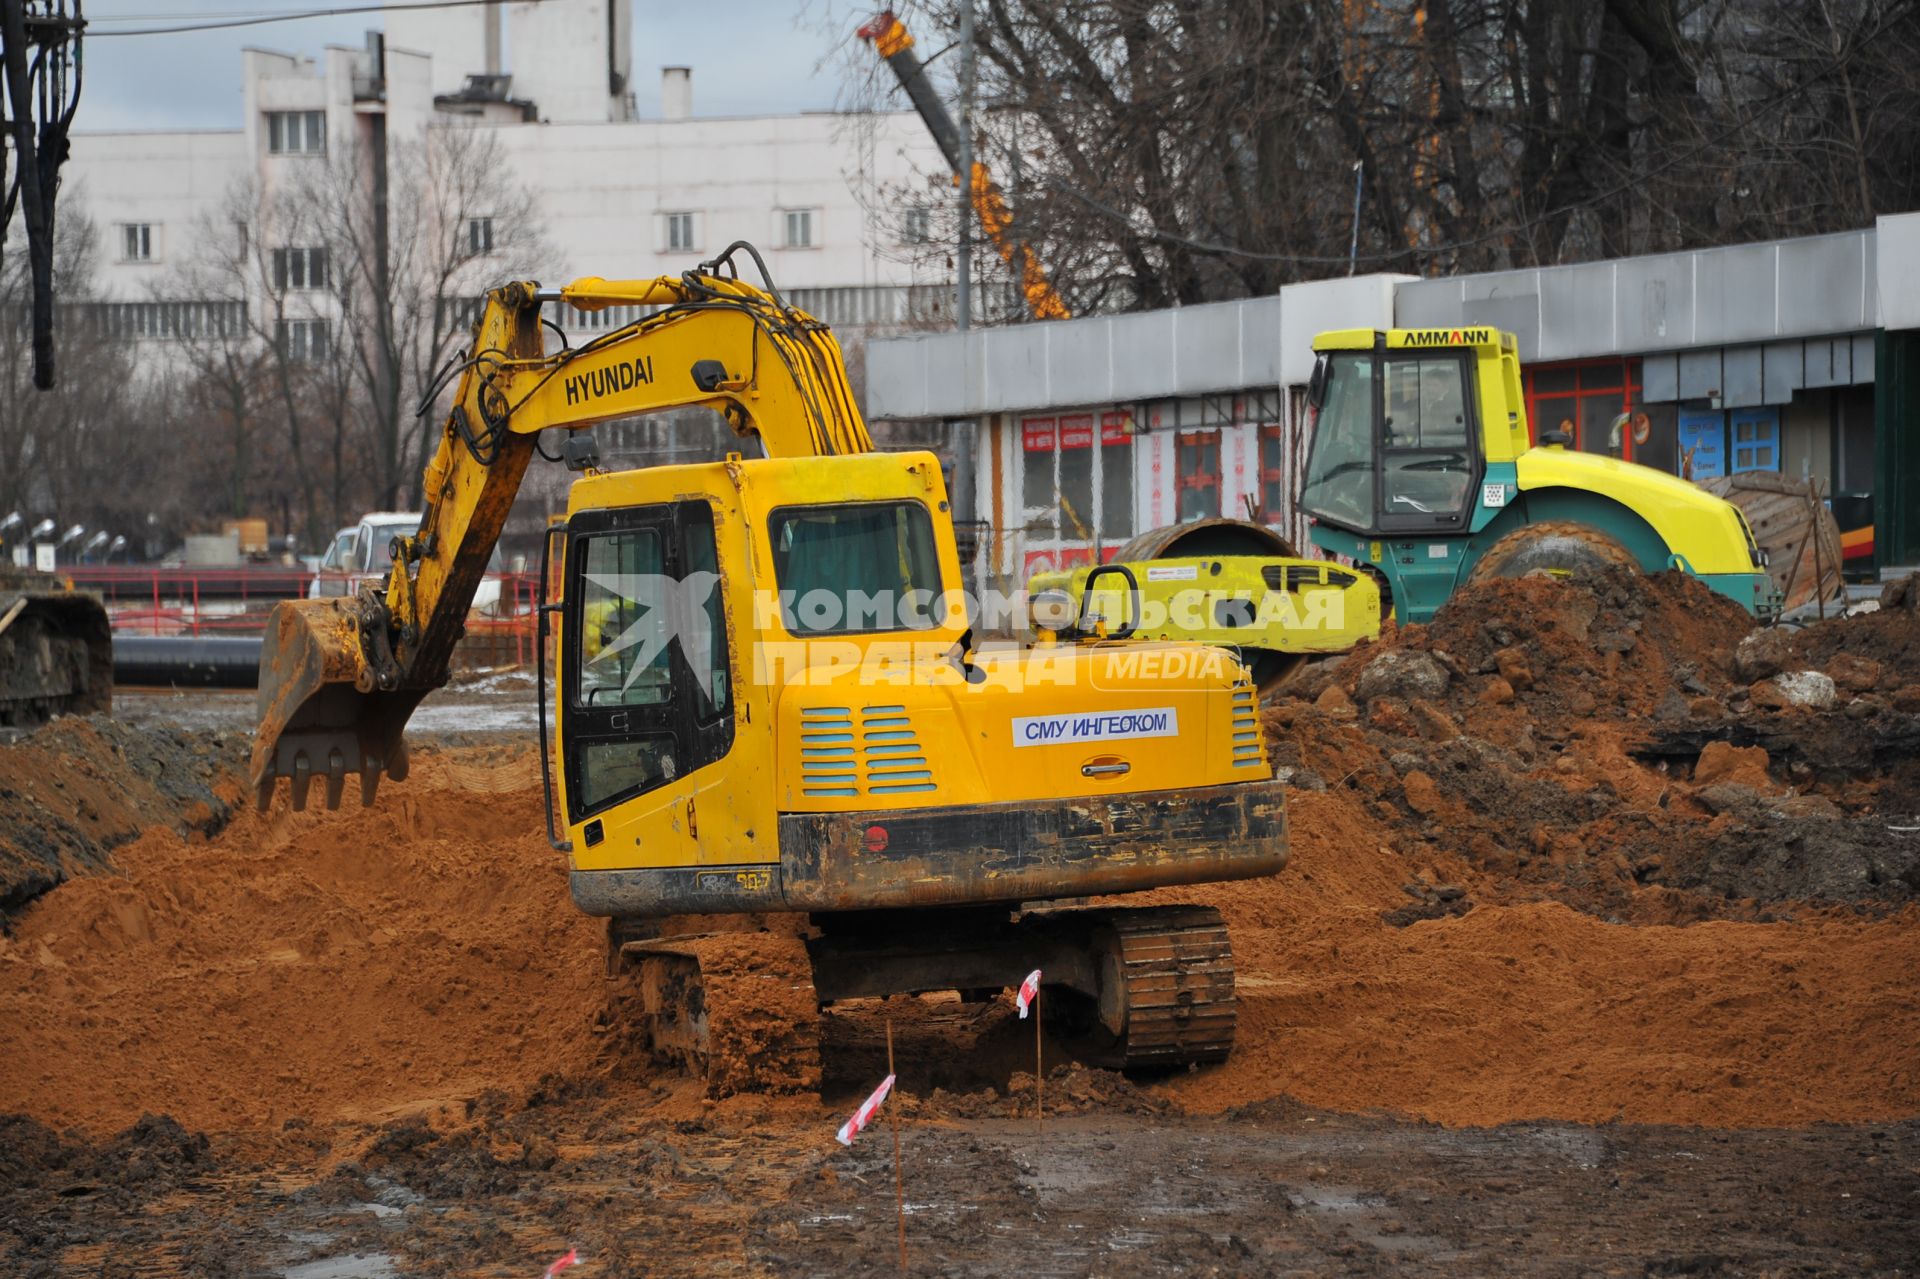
(1162, 152)
(264, 360)
(69, 452)
(455, 222)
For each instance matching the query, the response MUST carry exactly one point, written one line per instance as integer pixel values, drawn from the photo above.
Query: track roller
(1166, 989)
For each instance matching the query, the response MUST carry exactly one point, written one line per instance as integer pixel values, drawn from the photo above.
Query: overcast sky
(748, 56)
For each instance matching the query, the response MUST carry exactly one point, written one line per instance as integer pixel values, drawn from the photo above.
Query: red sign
(1036, 434)
(1075, 556)
(1113, 428)
(1076, 432)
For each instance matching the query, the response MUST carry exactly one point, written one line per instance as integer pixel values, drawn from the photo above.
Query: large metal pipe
(187, 661)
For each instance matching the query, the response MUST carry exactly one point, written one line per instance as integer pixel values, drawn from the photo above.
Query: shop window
(1656, 437)
(1585, 401)
(1076, 478)
(1853, 440)
(1198, 454)
(1037, 482)
(1116, 477)
(1273, 472)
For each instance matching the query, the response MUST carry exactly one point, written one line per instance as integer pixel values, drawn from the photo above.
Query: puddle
(353, 1265)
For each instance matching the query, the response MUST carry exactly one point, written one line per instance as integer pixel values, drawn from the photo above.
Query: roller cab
(1423, 473)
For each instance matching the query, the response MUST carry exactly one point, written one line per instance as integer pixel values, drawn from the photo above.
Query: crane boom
(892, 42)
(339, 678)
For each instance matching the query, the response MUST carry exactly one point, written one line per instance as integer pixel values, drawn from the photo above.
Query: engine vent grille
(876, 752)
(1249, 750)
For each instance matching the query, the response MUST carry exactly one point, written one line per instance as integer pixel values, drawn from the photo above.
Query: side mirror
(1317, 384)
(350, 562)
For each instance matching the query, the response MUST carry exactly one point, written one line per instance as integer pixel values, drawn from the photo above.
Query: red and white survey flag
(864, 1116)
(1028, 992)
(571, 1259)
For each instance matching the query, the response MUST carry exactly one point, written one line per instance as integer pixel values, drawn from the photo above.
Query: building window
(1116, 477)
(164, 320)
(799, 229)
(916, 225)
(1273, 472)
(1198, 454)
(680, 235)
(296, 268)
(1586, 401)
(479, 235)
(136, 242)
(297, 132)
(1756, 440)
(1076, 487)
(303, 341)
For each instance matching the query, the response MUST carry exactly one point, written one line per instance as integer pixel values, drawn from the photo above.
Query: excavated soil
(75, 790)
(1592, 938)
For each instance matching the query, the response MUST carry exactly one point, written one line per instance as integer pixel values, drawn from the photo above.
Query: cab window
(855, 567)
(648, 682)
(1339, 472)
(1426, 471)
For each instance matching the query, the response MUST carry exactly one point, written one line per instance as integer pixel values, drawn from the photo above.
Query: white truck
(360, 552)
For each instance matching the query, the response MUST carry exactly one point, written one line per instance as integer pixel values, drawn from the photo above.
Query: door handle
(1105, 770)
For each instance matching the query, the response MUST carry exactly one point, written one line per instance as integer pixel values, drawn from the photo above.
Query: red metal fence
(150, 600)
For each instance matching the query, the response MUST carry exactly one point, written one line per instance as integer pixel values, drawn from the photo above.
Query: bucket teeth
(336, 778)
(263, 792)
(302, 780)
(370, 779)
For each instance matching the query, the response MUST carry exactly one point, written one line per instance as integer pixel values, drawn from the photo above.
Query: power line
(292, 15)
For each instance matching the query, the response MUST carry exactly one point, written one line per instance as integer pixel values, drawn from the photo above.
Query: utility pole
(963, 274)
(966, 431)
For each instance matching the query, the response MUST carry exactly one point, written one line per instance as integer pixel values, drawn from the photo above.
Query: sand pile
(1501, 907)
(316, 965)
(1535, 1010)
(76, 789)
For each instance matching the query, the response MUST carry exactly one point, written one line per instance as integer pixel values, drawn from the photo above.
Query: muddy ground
(1271, 1189)
(1596, 956)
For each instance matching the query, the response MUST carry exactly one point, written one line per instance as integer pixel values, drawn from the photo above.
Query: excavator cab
(1422, 472)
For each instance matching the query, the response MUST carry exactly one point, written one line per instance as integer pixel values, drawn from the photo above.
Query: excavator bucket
(321, 713)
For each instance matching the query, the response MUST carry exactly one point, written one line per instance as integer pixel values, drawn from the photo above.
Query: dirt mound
(1527, 1010)
(1501, 907)
(1593, 741)
(347, 965)
(76, 789)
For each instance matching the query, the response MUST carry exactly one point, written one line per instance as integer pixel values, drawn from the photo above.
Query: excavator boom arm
(339, 678)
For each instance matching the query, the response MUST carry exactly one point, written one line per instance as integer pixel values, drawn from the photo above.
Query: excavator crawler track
(738, 1009)
(1167, 996)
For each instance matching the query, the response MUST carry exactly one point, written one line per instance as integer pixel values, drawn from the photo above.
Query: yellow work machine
(1421, 472)
(769, 708)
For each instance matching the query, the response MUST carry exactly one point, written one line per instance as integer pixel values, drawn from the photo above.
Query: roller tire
(1561, 547)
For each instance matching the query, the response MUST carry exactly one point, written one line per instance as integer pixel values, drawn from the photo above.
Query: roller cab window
(1393, 446)
(648, 676)
(855, 567)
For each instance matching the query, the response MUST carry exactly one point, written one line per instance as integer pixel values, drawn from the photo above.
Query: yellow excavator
(782, 769)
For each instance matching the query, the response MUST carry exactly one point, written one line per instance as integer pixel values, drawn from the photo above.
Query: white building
(622, 192)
